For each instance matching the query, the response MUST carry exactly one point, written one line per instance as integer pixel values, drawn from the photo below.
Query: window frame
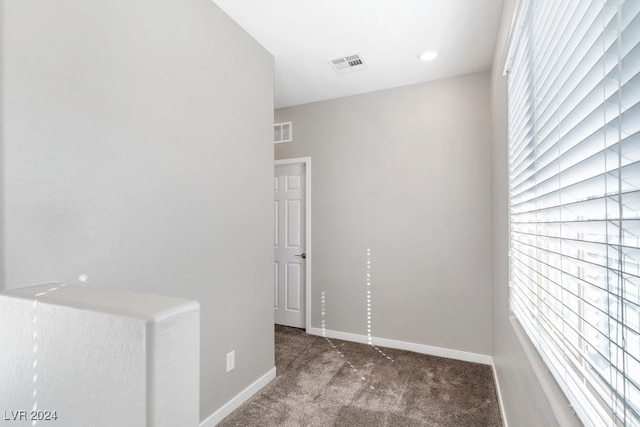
(583, 324)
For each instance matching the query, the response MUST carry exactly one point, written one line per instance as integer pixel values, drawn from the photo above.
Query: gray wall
(406, 173)
(138, 143)
(531, 397)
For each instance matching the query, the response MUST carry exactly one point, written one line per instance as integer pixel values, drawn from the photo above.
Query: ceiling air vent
(348, 63)
(283, 132)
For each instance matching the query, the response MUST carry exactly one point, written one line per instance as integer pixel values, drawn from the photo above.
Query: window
(574, 184)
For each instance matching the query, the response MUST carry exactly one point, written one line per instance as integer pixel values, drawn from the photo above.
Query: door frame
(306, 162)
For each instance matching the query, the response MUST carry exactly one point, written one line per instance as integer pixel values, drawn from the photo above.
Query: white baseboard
(402, 345)
(499, 393)
(242, 397)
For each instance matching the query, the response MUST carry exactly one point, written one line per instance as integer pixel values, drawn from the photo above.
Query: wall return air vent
(283, 132)
(346, 64)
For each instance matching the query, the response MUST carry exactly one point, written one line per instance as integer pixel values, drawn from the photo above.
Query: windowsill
(562, 409)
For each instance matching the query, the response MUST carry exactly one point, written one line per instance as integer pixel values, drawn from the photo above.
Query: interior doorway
(292, 242)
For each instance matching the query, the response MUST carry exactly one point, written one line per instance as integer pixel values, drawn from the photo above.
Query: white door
(289, 244)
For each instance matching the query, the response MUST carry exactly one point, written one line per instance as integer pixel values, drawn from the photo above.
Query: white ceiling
(303, 35)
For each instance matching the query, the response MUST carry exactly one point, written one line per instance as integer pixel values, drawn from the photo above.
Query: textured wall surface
(2, 110)
(78, 356)
(405, 173)
(138, 146)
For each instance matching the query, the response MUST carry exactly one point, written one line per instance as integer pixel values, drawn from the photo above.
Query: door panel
(294, 280)
(289, 245)
(276, 233)
(276, 285)
(294, 224)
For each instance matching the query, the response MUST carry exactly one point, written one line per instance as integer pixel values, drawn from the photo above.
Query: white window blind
(574, 161)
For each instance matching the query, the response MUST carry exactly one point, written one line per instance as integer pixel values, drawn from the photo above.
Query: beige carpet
(339, 383)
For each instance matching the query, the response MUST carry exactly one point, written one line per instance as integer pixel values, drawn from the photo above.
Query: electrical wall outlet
(231, 360)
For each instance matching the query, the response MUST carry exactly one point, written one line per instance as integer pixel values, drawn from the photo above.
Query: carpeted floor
(340, 383)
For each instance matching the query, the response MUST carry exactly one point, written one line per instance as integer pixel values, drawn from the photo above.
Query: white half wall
(80, 356)
(138, 144)
(405, 173)
(2, 157)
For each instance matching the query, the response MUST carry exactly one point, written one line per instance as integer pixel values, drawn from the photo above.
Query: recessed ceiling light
(428, 54)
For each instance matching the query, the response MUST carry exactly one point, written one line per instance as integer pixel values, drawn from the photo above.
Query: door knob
(302, 255)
